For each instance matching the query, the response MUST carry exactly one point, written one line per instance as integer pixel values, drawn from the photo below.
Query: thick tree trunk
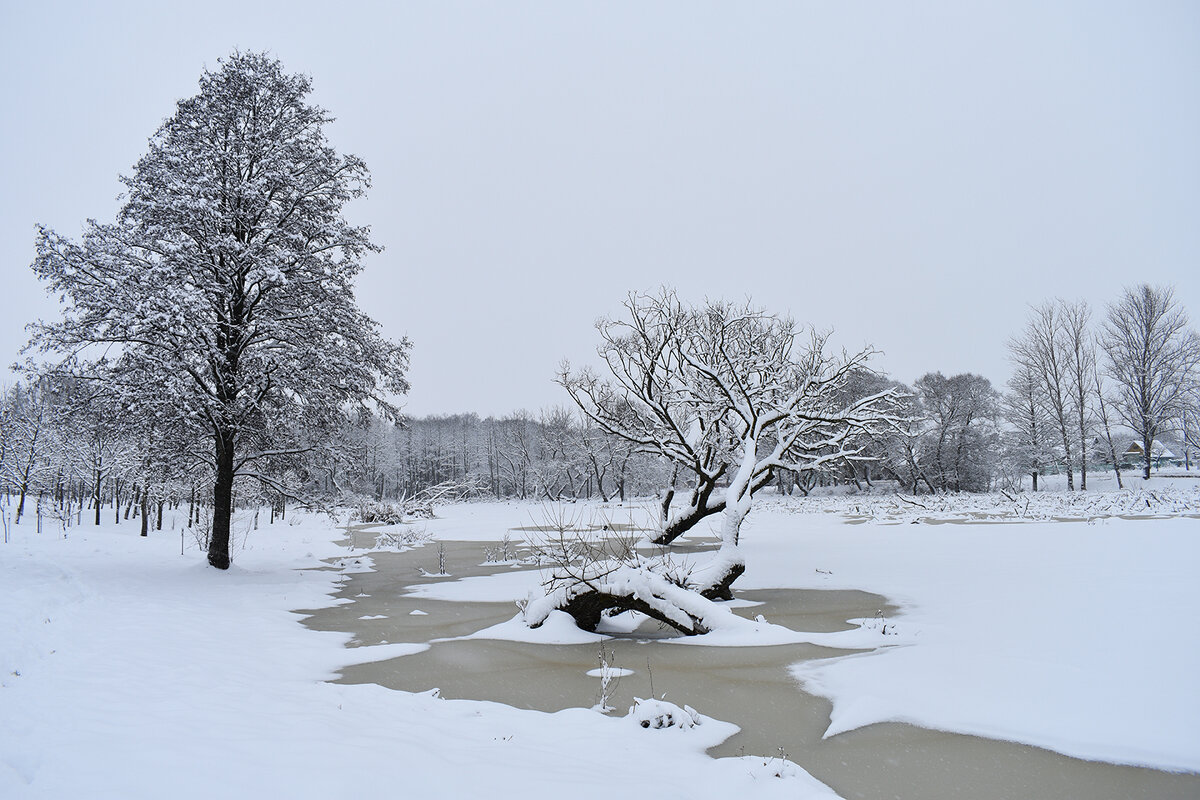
(699, 508)
(588, 608)
(1147, 443)
(21, 502)
(688, 519)
(145, 512)
(218, 543)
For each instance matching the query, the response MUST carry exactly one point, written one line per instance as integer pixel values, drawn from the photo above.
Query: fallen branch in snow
(904, 499)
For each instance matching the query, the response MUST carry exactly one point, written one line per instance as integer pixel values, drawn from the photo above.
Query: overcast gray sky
(910, 174)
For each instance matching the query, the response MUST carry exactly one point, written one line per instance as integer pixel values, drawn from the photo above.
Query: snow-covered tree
(728, 393)
(29, 432)
(1041, 349)
(1080, 353)
(222, 297)
(1153, 357)
(1100, 395)
(1030, 439)
(961, 435)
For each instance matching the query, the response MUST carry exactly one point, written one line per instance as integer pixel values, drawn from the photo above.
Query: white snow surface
(130, 671)
(1073, 636)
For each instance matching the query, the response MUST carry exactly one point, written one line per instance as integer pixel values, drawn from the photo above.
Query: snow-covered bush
(372, 512)
(656, 714)
(404, 537)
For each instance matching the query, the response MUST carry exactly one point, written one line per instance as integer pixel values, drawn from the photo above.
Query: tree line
(68, 457)
(1081, 391)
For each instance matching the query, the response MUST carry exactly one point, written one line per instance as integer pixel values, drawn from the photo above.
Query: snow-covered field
(128, 670)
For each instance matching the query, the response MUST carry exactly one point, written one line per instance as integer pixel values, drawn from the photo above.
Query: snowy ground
(128, 670)
(1068, 635)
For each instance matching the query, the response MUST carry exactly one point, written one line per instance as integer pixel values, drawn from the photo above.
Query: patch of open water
(748, 686)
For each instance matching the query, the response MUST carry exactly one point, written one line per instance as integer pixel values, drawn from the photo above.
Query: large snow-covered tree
(729, 394)
(221, 300)
(961, 430)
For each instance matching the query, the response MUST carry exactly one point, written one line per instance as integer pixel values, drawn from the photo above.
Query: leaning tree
(220, 302)
(728, 394)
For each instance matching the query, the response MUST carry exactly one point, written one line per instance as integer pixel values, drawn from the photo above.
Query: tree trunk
(218, 543)
(21, 503)
(668, 496)
(698, 510)
(1083, 454)
(1147, 443)
(145, 504)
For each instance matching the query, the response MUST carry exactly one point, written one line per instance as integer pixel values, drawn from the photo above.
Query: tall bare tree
(1041, 349)
(1152, 357)
(1080, 352)
(1106, 422)
(1032, 430)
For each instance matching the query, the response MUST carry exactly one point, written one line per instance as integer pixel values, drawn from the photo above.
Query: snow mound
(658, 714)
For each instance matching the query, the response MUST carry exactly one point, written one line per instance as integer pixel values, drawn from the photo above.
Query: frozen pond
(749, 686)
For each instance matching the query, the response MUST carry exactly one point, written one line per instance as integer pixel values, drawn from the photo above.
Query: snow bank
(1074, 637)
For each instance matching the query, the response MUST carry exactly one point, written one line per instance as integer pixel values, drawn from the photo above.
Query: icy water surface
(748, 686)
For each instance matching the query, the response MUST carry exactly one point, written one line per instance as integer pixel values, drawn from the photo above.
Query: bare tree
(1030, 438)
(1078, 347)
(1100, 394)
(30, 428)
(1152, 356)
(725, 391)
(1041, 349)
(961, 411)
(1190, 426)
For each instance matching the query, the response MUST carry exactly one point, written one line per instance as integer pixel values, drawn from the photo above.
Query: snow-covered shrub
(609, 676)
(404, 538)
(657, 714)
(504, 553)
(376, 512)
